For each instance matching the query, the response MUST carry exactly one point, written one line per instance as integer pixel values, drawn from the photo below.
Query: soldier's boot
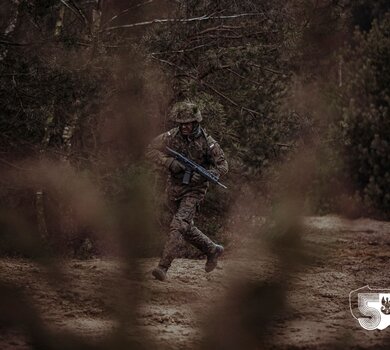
(212, 258)
(160, 272)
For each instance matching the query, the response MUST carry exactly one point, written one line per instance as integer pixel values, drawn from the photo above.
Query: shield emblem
(370, 307)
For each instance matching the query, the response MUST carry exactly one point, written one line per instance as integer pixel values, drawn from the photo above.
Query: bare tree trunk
(69, 225)
(341, 72)
(41, 217)
(68, 132)
(11, 26)
(39, 194)
(95, 27)
(97, 17)
(60, 21)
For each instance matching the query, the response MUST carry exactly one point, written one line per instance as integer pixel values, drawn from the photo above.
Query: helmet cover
(185, 112)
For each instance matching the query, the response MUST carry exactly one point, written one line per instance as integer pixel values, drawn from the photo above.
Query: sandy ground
(95, 293)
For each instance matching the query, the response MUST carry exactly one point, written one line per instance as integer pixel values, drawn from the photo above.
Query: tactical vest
(197, 149)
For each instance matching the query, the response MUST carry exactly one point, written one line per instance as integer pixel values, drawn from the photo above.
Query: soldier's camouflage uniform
(185, 199)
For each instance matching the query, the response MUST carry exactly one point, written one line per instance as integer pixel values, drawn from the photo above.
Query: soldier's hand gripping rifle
(192, 167)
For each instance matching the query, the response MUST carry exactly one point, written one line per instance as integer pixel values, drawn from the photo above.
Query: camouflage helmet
(185, 112)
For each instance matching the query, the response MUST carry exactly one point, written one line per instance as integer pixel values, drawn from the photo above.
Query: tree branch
(13, 165)
(184, 50)
(266, 68)
(243, 78)
(234, 103)
(221, 95)
(238, 36)
(283, 145)
(12, 43)
(220, 28)
(126, 11)
(73, 7)
(181, 20)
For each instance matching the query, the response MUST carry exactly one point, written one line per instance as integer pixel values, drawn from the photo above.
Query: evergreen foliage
(365, 124)
(238, 70)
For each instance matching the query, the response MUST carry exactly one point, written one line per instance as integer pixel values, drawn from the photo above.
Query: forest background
(85, 85)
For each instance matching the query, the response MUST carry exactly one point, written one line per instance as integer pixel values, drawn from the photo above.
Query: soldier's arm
(155, 152)
(219, 165)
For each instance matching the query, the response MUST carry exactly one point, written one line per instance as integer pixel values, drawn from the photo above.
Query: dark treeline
(85, 85)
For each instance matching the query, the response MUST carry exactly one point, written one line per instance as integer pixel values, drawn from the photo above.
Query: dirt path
(174, 312)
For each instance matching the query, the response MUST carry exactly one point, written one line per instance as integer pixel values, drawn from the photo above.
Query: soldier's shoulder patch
(172, 132)
(211, 142)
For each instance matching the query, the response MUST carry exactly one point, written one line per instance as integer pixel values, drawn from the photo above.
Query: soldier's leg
(175, 242)
(203, 243)
(172, 248)
(206, 245)
(182, 228)
(199, 240)
(184, 223)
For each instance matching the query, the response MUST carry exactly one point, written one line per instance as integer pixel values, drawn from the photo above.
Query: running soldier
(189, 139)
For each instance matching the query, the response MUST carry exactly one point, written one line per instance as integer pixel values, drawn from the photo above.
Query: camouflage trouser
(182, 230)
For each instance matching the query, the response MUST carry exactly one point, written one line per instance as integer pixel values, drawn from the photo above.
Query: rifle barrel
(195, 167)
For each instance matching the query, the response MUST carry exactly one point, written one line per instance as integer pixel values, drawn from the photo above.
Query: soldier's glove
(197, 179)
(175, 166)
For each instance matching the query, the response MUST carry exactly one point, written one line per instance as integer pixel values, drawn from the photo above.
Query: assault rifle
(192, 167)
